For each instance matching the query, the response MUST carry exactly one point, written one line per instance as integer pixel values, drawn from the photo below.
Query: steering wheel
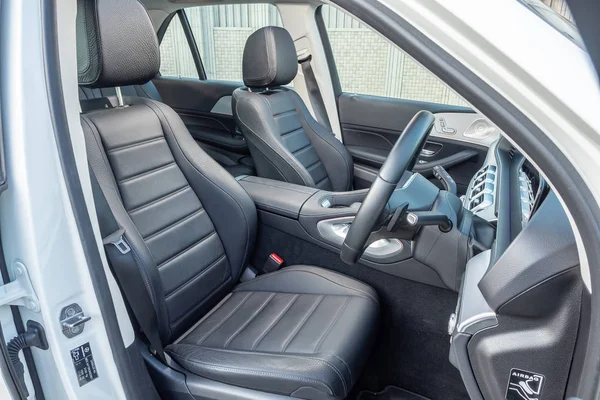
(402, 157)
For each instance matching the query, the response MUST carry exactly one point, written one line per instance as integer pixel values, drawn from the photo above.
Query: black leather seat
(285, 141)
(302, 331)
(149, 91)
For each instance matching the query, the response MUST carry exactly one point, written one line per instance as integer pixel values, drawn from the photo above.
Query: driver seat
(285, 141)
(184, 232)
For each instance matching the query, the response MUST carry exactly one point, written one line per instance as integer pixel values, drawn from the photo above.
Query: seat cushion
(302, 331)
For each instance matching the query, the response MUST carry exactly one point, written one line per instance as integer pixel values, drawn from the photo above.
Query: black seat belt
(124, 264)
(316, 99)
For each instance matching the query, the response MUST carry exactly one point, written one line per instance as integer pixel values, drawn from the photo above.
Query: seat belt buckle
(117, 239)
(273, 263)
(122, 245)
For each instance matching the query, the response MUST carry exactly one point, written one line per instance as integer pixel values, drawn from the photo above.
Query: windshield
(556, 20)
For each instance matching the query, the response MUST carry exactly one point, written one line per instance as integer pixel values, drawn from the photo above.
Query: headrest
(116, 44)
(269, 58)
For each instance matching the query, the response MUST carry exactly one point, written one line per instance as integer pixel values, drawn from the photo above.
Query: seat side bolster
(279, 373)
(99, 163)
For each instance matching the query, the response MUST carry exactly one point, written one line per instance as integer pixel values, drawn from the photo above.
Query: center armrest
(277, 197)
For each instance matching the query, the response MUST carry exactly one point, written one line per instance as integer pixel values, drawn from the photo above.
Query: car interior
(266, 250)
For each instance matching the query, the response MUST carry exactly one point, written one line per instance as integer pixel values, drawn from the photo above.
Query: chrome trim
(473, 312)
(120, 102)
(465, 127)
(334, 230)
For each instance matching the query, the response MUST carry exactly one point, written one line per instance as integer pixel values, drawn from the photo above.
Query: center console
(324, 218)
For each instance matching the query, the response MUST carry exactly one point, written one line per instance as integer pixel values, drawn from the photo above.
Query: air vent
(482, 189)
(512, 152)
(529, 185)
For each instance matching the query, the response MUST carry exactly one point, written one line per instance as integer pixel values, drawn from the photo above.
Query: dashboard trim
(473, 312)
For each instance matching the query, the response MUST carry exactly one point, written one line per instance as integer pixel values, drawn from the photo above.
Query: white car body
(502, 42)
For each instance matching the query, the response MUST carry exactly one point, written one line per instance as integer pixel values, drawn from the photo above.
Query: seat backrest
(285, 141)
(190, 225)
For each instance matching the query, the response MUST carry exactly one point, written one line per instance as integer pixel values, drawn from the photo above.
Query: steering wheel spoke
(402, 157)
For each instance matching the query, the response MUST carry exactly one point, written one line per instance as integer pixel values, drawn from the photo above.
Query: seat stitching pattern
(149, 105)
(311, 166)
(195, 277)
(283, 113)
(193, 245)
(149, 172)
(166, 196)
(301, 324)
(225, 319)
(345, 365)
(275, 321)
(245, 324)
(174, 224)
(322, 180)
(284, 134)
(301, 149)
(317, 134)
(225, 282)
(331, 325)
(136, 144)
(366, 295)
(294, 167)
(255, 372)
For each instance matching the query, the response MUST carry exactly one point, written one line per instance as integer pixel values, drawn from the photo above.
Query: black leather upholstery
(89, 97)
(302, 331)
(102, 59)
(165, 189)
(287, 333)
(269, 58)
(285, 141)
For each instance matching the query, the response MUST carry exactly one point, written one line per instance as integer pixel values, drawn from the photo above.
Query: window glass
(175, 55)
(221, 32)
(367, 63)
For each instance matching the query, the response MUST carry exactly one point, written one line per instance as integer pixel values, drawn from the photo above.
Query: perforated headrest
(269, 58)
(116, 44)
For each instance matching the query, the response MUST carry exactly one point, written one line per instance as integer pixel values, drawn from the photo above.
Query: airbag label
(83, 361)
(524, 385)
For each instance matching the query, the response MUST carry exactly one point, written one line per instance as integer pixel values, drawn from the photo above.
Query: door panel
(371, 125)
(205, 108)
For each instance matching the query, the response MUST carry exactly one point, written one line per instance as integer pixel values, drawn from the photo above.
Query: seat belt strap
(126, 267)
(314, 94)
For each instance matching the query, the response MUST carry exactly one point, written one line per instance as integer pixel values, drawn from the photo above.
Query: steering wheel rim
(402, 157)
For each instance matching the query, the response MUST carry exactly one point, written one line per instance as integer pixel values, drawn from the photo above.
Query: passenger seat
(93, 98)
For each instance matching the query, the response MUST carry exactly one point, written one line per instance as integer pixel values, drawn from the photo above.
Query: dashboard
(515, 278)
(506, 191)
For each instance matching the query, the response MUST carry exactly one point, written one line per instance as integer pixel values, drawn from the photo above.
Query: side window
(369, 64)
(221, 32)
(175, 55)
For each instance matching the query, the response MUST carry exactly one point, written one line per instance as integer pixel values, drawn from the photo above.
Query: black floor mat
(412, 347)
(390, 393)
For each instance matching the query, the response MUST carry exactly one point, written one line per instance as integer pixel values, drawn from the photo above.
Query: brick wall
(366, 62)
